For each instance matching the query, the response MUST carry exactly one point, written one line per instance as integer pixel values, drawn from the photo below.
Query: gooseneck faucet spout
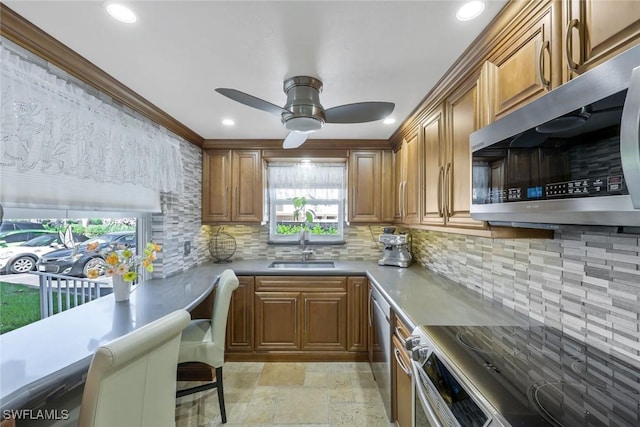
(306, 253)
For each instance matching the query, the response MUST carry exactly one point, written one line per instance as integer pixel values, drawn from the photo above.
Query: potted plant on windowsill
(303, 214)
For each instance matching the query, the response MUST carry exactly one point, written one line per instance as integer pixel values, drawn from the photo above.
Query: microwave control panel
(585, 187)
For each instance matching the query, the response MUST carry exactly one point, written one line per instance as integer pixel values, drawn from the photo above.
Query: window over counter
(308, 197)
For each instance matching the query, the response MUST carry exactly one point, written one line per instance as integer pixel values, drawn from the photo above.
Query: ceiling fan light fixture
(470, 10)
(228, 122)
(303, 124)
(121, 12)
(389, 121)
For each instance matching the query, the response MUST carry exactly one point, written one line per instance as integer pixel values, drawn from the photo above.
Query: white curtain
(306, 175)
(62, 147)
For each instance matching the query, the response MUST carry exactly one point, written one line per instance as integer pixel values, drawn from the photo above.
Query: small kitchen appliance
(395, 249)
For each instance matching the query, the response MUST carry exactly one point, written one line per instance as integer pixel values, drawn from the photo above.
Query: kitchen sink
(302, 264)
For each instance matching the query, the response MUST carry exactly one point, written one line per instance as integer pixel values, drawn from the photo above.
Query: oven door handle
(422, 397)
(629, 138)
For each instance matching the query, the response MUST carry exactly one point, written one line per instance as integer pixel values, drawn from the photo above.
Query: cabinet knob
(411, 342)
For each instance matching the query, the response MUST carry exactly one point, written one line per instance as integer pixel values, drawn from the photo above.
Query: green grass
(20, 305)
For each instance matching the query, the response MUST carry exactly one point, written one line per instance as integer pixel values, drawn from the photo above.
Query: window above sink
(306, 196)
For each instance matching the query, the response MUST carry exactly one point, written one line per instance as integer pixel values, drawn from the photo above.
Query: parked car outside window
(8, 225)
(23, 258)
(77, 262)
(17, 237)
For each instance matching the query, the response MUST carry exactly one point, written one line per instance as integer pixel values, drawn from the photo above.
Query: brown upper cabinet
(461, 121)
(434, 162)
(407, 180)
(596, 30)
(446, 185)
(231, 186)
(527, 60)
(370, 186)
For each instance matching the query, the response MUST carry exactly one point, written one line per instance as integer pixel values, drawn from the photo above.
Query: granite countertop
(417, 295)
(47, 357)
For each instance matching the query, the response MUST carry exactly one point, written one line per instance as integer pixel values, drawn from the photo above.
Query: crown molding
(25, 34)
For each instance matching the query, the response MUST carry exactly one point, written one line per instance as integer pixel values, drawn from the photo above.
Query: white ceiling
(179, 51)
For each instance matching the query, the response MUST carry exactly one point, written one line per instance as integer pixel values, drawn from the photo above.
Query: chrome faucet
(306, 253)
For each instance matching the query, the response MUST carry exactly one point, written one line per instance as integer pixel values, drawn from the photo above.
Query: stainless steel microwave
(571, 156)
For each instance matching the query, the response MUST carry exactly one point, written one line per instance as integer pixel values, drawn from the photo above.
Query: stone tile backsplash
(251, 240)
(586, 283)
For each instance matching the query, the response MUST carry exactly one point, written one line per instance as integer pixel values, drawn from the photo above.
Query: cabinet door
(240, 321)
(277, 321)
(324, 321)
(388, 186)
(247, 186)
(411, 176)
(461, 122)
(434, 149)
(527, 68)
(216, 183)
(357, 313)
(365, 196)
(596, 30)
(402, 397)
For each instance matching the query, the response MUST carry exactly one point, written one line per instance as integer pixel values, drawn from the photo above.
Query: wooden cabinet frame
(298, 318)
(232, 186)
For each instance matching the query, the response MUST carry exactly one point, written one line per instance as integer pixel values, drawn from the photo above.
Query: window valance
(55, 133)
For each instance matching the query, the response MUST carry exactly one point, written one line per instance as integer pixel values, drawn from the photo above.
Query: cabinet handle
(399, 336)
(545, 83)
(404, 200)
(237, 202)
(369, 309)
(227, 204)
(440, 179)
(400, 199)
(568, 41)
(353, 201)
(449, 190)
(404, 367)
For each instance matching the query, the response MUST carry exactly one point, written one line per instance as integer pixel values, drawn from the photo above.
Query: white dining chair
(203, 339)
(131, 381)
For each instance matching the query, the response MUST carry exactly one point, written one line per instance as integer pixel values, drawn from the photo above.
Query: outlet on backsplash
(187, 247)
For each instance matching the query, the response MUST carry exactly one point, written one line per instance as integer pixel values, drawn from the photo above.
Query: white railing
(71, 292)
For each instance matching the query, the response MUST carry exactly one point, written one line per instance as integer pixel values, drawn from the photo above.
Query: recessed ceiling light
(121, 13)
(389, 121)
(470, 10)
(228, 122)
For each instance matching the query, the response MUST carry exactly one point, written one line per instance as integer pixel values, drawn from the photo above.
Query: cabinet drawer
(401, 330)
(301, 283)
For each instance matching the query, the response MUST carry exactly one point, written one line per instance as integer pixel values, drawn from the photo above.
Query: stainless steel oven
(441, 397)
(532, 375)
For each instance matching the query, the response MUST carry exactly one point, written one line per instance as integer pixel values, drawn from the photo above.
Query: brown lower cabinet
(298, 318)
(401, 385)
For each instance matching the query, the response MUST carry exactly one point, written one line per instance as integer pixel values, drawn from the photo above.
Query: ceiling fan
(303, 113)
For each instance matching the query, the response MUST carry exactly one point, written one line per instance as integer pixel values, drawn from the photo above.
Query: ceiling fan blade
(359, 112)
(294, 140)
(251, 101)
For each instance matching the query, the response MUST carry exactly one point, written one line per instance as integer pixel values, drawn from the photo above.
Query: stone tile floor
(280, 393)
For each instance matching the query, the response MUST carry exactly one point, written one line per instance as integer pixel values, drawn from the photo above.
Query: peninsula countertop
(47, 357)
